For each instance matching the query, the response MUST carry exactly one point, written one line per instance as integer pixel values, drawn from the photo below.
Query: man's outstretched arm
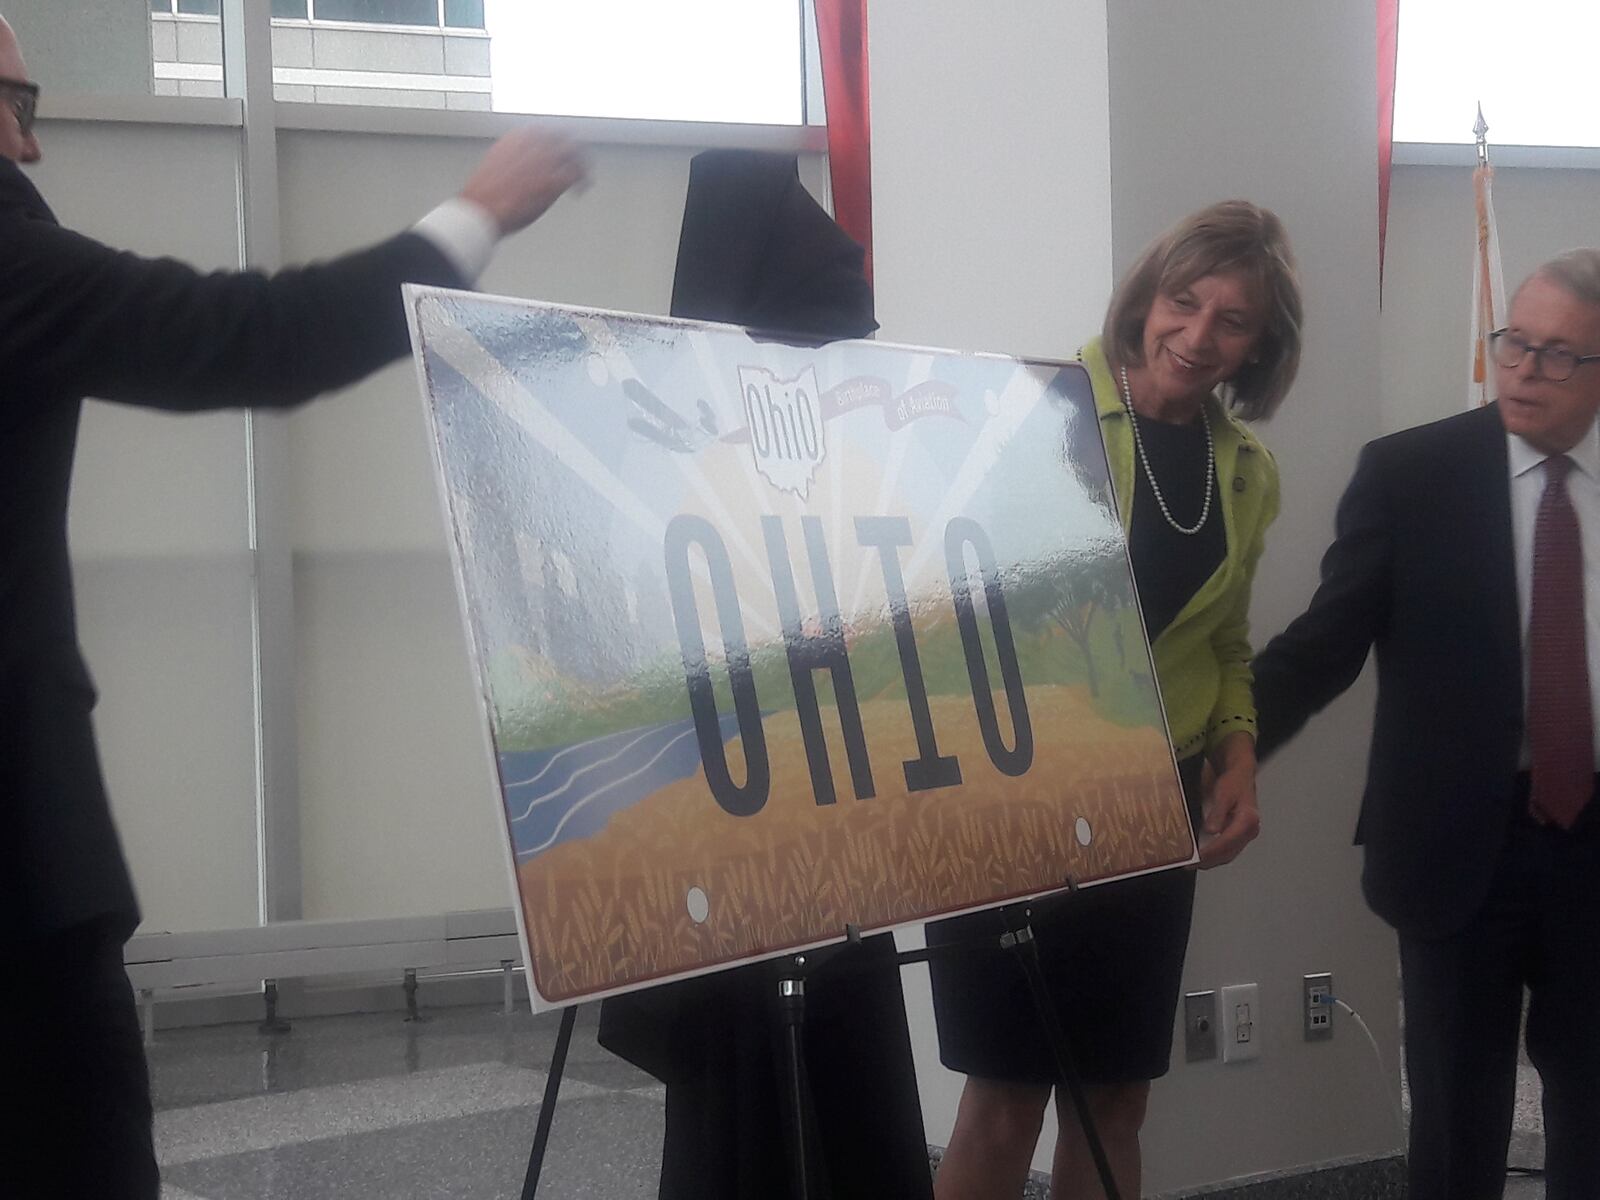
(1321, 653)
(79, 318)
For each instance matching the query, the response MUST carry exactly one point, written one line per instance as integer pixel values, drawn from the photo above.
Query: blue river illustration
(555, 796)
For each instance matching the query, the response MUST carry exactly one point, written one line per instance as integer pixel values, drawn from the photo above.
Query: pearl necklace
(1155, 488)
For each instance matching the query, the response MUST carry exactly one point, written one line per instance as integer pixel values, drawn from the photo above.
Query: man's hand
(1231, 819)
(523, 174)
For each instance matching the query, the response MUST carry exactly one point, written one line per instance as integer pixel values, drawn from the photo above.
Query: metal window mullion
(805, 66)
(813, 111)
(247, 76)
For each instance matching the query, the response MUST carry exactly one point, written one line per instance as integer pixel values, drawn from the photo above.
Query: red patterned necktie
(1560, 723)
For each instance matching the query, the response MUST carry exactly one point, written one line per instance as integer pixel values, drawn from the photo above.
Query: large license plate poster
(777, 639)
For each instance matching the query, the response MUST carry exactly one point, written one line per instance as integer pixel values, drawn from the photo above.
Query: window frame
(172, 11)
(1462, 149)
(811, 110)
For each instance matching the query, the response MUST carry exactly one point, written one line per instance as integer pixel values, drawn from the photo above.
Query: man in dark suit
(78, 318)
(1468, 554)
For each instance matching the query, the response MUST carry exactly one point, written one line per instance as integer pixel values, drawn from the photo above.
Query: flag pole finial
(1480, 129)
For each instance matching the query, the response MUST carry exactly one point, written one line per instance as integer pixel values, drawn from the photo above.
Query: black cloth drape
(757, 250)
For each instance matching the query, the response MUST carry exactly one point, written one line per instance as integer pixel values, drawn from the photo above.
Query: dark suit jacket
(1421, 568)
(78, 318)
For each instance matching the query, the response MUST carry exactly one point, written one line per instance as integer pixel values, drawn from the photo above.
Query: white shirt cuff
(464, 233)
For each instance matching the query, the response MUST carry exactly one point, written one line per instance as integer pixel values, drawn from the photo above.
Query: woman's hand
(1230, 818)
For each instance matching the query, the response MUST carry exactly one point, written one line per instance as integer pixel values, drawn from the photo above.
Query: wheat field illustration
(601, 912)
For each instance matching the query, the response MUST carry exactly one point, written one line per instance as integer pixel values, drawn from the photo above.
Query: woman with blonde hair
(1202, 334)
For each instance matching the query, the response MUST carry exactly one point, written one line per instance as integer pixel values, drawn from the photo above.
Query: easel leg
(792, 1010)
(547, 1107)
(1020, 941)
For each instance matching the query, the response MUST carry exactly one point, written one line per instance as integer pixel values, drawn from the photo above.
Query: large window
(1530, 65)
(689, 60)
(425, 14)
(738, 61)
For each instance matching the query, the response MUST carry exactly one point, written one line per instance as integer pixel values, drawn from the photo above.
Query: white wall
(1428, 278)
(99, 46)
(1277, 103)
(991, 185)
(160, 540)
(398, 805)
(992, 226)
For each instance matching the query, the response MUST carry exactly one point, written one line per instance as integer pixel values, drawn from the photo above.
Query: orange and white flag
(1488, 291)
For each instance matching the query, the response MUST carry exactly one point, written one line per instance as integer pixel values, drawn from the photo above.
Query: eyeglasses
(1552, 362)
(23, 97)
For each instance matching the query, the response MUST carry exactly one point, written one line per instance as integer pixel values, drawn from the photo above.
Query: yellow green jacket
(1203, 657)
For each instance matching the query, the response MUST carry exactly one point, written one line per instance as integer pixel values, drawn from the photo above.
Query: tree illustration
(1070, 598)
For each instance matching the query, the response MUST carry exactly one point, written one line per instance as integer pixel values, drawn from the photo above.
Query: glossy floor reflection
(376, 1106)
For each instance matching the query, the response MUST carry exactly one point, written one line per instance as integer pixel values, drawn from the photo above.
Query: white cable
(1377, 1052)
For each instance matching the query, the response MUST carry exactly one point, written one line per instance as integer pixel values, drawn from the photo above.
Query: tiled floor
(375, 1106)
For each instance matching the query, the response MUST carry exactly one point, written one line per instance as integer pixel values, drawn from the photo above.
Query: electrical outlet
(1317, 1004)
(1241, 1022)
(1199, 1026)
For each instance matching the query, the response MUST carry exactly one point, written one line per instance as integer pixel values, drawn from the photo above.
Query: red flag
(1488, 288)
(1388, 51)
(842, 38)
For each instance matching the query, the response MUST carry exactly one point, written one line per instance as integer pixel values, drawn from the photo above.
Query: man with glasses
(22, 97)
(78, 318)
(1467, 553)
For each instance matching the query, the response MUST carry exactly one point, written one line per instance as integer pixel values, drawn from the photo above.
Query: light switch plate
(1199, 1026)
(1241, 1022)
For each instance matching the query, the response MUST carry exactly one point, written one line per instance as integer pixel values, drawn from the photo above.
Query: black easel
(791, 980)
(792, 1019)
(547, 1107)
(1018, 938)
(1021, 942)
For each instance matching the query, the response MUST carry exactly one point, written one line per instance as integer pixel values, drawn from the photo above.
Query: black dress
(1112, 955)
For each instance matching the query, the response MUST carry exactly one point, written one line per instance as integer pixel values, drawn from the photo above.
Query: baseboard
(1346, 1179)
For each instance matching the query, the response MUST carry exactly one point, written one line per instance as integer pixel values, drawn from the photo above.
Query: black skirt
(1113, 962)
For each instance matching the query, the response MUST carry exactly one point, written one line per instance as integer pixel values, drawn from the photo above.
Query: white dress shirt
(465, 234)
(1583, 488)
